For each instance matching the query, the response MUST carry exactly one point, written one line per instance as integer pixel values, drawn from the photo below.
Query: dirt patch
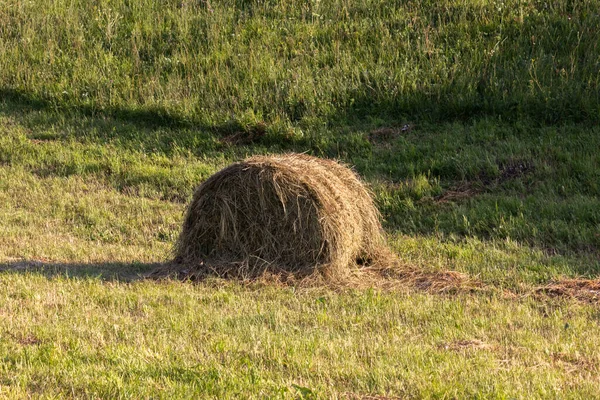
(514, 169)
(575, 362)
(510, 170)
(25, 339)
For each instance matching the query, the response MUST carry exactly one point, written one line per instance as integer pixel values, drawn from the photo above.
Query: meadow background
(476, 124)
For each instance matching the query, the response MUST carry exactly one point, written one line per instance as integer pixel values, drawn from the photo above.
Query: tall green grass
(299, 64)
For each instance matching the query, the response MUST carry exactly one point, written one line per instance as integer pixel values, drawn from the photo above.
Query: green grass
(551, 204)
(112, 112)
(94, 339)
(295, 64)
(88, 210)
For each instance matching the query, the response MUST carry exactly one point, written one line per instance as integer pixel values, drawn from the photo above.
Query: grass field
(475, 124)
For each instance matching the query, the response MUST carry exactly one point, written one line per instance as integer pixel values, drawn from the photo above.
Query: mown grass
(475, 124)
(93, 339)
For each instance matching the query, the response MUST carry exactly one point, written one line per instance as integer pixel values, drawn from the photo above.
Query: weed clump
(285, 214)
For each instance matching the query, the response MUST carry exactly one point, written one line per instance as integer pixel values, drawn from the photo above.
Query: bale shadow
(107, 271)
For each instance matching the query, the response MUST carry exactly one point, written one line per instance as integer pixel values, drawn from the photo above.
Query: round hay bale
(288, 213)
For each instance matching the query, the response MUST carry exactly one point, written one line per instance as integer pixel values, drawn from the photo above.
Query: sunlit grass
(89, 338)
(474, 123)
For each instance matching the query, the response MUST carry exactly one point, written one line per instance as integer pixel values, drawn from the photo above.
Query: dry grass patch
(467, 344)
(394, 277)
(385, 135)
(587, 290)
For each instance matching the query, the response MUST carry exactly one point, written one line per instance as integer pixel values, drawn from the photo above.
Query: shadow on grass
(146, 117)
(477, 181)
(155, 129)
(107, 271)
(395, 276)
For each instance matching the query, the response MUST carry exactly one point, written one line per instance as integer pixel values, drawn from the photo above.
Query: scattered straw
(397, 275)
(392, 277)
(587, 290)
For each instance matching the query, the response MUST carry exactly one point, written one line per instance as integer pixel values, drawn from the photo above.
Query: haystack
(289, 213)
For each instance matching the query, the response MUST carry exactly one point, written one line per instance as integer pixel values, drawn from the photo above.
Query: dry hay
(285, 214)
(397, 275)
(586, 290)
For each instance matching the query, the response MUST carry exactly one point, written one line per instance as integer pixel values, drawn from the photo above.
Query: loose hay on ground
(587, 290)
(289, 214)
